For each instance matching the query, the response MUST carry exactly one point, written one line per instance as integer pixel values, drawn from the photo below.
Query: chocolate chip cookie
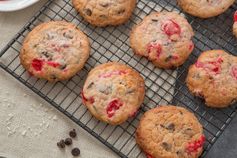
(170, 132)
(165, 38)
(55, 51)
(205, 8)
(113, 92)
(214, 78)
(105, 12)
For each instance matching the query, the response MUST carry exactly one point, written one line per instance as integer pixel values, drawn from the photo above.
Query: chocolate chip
(103, 16)
(189, 132)
(130, 91)
(90, 85)
(179, 152)
(68, 35)
(61, 144)
(47, 55)
(62, 67)
(105, 5)
(68, 141)
(171, 127)
(88, 12)
(73, 133)
(53, 77)
(154, 20)
(75, 152)
(166, 146)
(168, 58)
(121, 11)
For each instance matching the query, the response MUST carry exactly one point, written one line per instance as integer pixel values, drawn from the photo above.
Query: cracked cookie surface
(165, 38)
(214, 78)
(113, 92)
(205, 8)
(55, 51)
(105, 12)
(170, 131)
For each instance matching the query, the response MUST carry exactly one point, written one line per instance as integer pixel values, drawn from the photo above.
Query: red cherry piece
(234, 72)
(113, 73)
(211, 66)
(191, 46)
(84, 99)
(235, 17)
(154, 46)
(53, 64)
(112, 107)
(170, 28)
(133, 114)
(148, 156)
(37, 64)
(194, 146)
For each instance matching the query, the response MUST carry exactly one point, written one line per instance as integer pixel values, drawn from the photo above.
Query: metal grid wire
(112, 44)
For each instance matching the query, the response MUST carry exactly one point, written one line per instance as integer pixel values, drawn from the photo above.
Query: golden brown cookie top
(205, 8)
(55, 50)
(170, 131)
(113, 92)
(105, 12)
(214, 77)
(165, 38)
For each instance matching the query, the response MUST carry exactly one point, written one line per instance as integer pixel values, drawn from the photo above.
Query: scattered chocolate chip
(61, 144)
(162, 126)
(73, 133)
(88, 12)
(181, 112)
(166, 146)
(76, 152)
(68, 141)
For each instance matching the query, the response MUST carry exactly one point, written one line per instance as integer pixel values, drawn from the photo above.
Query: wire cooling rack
(112, 44)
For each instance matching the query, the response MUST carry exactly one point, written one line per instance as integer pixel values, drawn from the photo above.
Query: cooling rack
(112, 44)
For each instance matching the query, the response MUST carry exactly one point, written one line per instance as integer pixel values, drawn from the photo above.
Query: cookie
(113, 92)
(105, 12)
(214, 78)
(165, 38)
(170, 132)
(55, 51)
(205, 8)
(235, 25)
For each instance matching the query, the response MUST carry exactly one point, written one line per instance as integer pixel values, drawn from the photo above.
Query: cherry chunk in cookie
(165, 38)
(55, 51)
(170, 132)
(214, 78)
(113, 92)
